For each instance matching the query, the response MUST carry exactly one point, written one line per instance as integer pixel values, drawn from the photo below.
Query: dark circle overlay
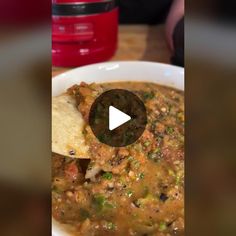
(126, 102)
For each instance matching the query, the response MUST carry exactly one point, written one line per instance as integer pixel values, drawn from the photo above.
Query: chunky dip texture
(133, 190)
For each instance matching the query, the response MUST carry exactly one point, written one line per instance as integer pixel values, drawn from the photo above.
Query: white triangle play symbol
(117, 118)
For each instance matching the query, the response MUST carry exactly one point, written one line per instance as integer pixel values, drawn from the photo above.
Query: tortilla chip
(67, 128)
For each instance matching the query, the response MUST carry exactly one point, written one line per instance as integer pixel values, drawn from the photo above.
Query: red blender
(83, 31)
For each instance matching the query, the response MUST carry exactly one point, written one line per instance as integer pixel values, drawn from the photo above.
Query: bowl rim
(119, 62)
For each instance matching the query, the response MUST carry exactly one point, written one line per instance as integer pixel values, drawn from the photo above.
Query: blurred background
(210, 56)
(146, 32)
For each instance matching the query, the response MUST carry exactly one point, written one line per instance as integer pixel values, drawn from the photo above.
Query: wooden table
(138, 42)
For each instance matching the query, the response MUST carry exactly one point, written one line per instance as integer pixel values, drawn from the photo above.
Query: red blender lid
(81, 7)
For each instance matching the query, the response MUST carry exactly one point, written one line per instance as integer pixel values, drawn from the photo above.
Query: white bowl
(163, 74)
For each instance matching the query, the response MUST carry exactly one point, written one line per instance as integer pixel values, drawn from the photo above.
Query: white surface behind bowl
(117, 71)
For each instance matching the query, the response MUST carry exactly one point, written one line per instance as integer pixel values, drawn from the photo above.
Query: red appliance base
(70, 56)
(82, 40)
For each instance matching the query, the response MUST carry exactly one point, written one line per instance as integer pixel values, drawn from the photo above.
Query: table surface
(137, 42)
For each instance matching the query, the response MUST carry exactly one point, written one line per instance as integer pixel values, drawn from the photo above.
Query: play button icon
(118, 118)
